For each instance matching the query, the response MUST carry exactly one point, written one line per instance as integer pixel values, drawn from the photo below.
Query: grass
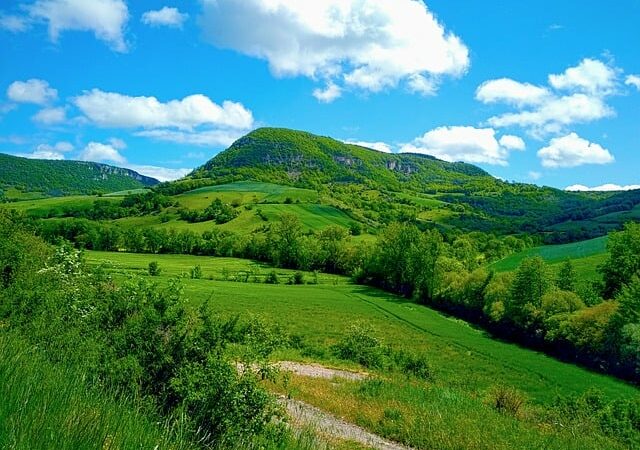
(321, 314)
(555, 253)
(449, 412)
(127, 192)
(45, 206)
(45, 407)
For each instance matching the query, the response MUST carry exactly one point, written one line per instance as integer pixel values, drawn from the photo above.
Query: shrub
(196, 272)
(360, 346)
(507, 400)
(416, 365)
(272, 278)
(297, 278)
(154, 269)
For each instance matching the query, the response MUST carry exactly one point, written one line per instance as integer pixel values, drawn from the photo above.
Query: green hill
(19, 176)
(383, 187)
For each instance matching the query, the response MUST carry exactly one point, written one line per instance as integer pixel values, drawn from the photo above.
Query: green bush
(272, 278)
(416, 365)
(196, 272)
(154, 269)
(507, 400)
(361, 346)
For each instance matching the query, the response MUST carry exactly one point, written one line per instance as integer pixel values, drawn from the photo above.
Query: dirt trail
(318, 371)
(304, 414)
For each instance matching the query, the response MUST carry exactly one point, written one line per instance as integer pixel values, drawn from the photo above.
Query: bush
(416, 365)
(196, 272)
(154, 269)
(360, 346)
(272, 278)
(507, 400)
(297, 278)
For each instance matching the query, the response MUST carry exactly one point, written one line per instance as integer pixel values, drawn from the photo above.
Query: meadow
(467, 364)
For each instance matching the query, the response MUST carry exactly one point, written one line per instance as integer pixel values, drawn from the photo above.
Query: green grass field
(44, 407)
(320, 314)
(553, 254)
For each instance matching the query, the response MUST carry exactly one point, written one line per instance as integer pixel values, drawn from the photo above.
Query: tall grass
(49, 407)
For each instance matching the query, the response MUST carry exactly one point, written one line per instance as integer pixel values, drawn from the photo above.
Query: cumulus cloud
(578, 95)
(51, 116)
(47, 151)
(113, 110)
(512, 142)
(105, 18)
(379, 146)
(14, 24)
(95, 151)
(214, 138)
(590, 76)
(31, 91)
(460, 143)
(329, 93)
(609, 187)
(159, 173)
(510, 91)
(534, 175)
(168, 17)
(571, 151)
(633, 80)
(362, 44)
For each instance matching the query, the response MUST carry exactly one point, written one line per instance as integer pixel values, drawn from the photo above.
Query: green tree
(624, 259)
(285, 239)
(531, 282)
(567, 277)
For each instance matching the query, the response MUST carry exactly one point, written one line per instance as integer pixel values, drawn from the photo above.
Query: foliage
(154, 269)
(507, 400)
(624, 259)
(57, 178)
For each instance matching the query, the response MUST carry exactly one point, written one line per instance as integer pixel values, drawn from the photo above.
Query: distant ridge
(55, 177)
(296, 157)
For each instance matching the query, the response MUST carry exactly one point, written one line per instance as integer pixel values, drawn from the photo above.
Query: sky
(543, 92)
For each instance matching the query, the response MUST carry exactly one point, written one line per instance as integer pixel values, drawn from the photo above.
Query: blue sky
(545, 92)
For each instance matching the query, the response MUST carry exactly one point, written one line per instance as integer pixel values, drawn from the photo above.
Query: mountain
(296, 157)
(384, 187)
(54, 178)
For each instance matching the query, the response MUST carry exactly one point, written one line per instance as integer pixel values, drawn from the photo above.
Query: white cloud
(31, 91)
(578, 95)
(169, 17)
(571, 151)
(216, 138)
(364, 44)
(159, 173)
(534, 175)
(14, 24)
(512, 92)
(46, 151)
(379, 146)
(95, 151)
(51, 116)
(105, 18)
(633, 80)
(512, 142)
(554, 115)
(591, 76)
(422, 85)
(602, 188)
(113, 110)
(117, 143)
(458, 143)
(327, 95)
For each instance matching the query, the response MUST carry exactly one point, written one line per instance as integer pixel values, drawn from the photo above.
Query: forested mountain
(475, 200)
(54, 178)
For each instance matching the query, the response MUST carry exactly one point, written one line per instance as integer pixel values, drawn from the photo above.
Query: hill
(383, 187)
(55, 178)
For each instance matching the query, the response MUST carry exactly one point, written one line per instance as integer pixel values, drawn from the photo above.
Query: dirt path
(304, 414)
(318, 371)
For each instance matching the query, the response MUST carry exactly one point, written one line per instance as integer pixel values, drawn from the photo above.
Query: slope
(53, 178)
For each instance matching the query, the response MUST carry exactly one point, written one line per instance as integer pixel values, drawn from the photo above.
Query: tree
(567, 277)
(285, 239)
(531, 282)
(624, 259)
